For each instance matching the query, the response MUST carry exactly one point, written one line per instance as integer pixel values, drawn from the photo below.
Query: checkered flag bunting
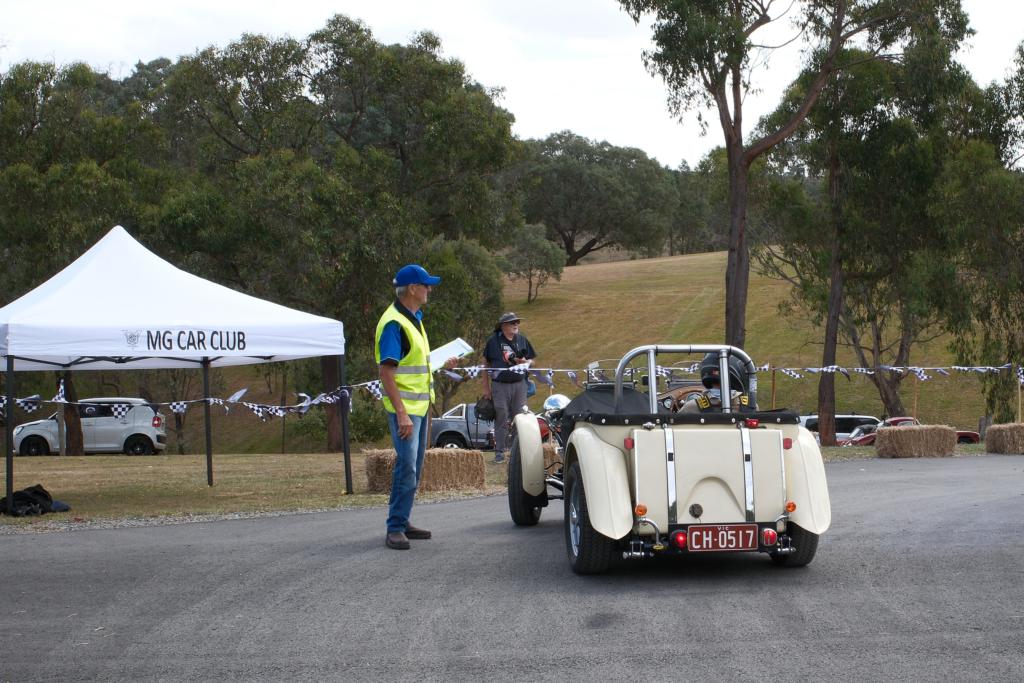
(59, 398)
(790, 372)
(471, 373)
(120, 409)
(3, 403)
(1020, 374)
(374, 387)
(864, 371)
(30, 404)
(572, 378)
(179, 407)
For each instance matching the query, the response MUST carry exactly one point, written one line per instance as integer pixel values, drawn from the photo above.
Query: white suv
(109, 425)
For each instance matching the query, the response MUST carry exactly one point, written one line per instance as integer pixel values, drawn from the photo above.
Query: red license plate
(721, 537)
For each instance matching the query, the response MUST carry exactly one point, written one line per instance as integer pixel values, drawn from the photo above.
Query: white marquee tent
(120, 306)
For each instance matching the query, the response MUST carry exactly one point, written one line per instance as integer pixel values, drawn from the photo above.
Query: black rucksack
(485, 410)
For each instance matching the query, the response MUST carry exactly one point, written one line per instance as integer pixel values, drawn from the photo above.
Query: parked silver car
(109, 425)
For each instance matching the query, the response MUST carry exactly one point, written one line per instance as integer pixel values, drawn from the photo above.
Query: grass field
(602, 310)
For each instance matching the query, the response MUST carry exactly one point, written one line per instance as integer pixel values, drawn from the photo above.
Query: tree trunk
(737, 273)
(329, 371)
(179, 432)
(72, 420)
(888, 384)
(827, 381)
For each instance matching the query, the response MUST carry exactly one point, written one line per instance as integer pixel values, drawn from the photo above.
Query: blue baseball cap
(414, 274)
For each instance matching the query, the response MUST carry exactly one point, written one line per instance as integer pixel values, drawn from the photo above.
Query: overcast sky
(563, 64)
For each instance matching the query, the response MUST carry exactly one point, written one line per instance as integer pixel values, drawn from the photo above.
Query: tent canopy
(120, 306)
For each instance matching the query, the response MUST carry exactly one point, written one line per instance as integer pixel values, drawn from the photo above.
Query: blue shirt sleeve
(391, 342)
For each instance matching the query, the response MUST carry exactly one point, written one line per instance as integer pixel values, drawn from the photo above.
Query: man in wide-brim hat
(506, 348)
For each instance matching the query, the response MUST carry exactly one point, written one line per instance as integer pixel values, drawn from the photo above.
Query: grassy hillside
(600, 311)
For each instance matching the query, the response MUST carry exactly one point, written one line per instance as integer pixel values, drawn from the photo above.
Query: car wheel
(450, 440)
(35, 445)
(589, 551)
(138, 445)
(524, 508)
(806, 545)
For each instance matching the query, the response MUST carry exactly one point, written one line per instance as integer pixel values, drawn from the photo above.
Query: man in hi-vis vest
(402, 352)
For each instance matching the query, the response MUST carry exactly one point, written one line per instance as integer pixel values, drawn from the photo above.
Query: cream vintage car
(639, 480)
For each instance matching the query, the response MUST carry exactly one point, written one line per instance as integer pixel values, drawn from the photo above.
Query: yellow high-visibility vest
(413, 377)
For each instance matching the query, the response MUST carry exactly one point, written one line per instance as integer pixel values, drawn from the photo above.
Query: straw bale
(918, 441)
(444, 469)
(550, 456)
(1007, 438)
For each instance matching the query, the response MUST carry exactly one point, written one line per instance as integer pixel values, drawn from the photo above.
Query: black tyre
(524, 508)
(34, 445)
(450, 440)
(138, 445)
(806, 545)
(589, 551)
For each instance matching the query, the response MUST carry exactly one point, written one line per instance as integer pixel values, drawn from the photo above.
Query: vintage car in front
(639, 479)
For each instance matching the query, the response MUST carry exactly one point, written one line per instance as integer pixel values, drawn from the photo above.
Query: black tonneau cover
(596, 405)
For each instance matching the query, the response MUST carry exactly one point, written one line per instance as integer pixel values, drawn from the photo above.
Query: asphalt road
(920, 578)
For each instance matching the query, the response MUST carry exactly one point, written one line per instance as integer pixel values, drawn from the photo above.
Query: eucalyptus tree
(707, 51)
(873, 268)
(593, 195)
(981, 203)
(533, 258)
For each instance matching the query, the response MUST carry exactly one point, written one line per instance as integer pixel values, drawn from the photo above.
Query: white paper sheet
(457, 348)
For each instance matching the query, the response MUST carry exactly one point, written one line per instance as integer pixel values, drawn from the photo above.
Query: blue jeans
(408, 469)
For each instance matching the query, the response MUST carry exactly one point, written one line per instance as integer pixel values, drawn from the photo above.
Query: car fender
(531, 453)
(806, 484)
(605, 483)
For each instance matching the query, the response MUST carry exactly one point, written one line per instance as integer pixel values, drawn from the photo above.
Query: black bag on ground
(485, 410)
(34, 500)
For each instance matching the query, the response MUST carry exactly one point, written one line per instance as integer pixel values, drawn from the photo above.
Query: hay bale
(918, 441)
(444, 469)
(1007, 438)
(550, 456)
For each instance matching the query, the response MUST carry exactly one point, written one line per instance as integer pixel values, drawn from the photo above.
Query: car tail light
(787, 443)
(752, 423)
(790, 506)
(769, 537)
(640, 509)
(158, 421)
(544, 431)
(679, 539)
(628, 443)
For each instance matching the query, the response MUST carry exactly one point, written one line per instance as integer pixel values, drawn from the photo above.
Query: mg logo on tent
(132, 337)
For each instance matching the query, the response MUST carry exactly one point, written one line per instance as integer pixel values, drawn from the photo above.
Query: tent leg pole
(9, 430)
(343, 406)
(206, 413)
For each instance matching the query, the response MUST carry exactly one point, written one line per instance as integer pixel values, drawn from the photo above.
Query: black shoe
(396, 540)
(416, 534)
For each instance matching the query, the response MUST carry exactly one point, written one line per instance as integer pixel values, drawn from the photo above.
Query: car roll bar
(652, 350)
